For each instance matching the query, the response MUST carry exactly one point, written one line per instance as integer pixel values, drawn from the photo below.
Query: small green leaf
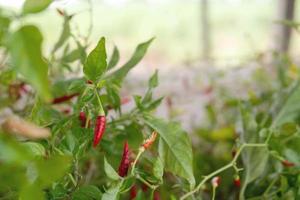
(290, 109)
(35, 6)
(65, 34)
(25, 48)
(114, 58)
(137, 56)
(112, 193)
(32, 191)
(87, 192)
(95, 64)
(4, 24)
(109, 171)
(158, 168)
(52, 169)
(175, 148)
(153, 81)
(35, 148)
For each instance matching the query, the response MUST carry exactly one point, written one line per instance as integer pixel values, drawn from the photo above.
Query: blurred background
(195, 40)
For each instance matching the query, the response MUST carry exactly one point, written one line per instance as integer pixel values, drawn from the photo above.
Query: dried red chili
(125, 162)
(150, 140)
(287, 163)
(64, 98)
(99, 129)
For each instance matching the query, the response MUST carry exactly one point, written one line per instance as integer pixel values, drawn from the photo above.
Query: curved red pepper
(64, 98)
(125, 162)
(99, 129)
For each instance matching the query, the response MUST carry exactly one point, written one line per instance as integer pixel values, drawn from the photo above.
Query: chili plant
(65, 134)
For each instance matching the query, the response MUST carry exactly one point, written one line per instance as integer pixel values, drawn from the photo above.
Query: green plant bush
(48, 148)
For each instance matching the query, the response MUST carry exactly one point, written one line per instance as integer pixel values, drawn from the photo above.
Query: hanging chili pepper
(133, 192)
(156, 196)
(125, 162)
(237, 181)
(99, 129)
(82, 118)
(150, 140)
(64, 98)
(287, 163)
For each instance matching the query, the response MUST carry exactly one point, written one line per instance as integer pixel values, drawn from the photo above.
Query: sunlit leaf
(95, 64)
(137, 56)
(290, 109)
(114, 58)
(175, 148)
(109, 171)
(25, 48)
(35, 6)
(65, 34)
(88, 192)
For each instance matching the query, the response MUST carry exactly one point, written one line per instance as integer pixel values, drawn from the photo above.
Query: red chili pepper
(150, 140)
(82, 118)
(287, 163)
(156, 196)
(133, 192)
(125, 162)
(237, 181)
(99, 129)
(144, 187)
(64, 98)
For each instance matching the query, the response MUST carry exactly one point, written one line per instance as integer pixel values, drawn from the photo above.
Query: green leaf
(290, 109)
(112, 193)
(95, 64)
(114, 58)
(4, 24)
(175, 148)
(158, 168)
(65, 34)
(35, 148)
(153, 81)
(25, 48)
(35, 6)
(32, 191)
(52, 169)
(109, 171)
(254, 158)
(137, 56)
(87, 192)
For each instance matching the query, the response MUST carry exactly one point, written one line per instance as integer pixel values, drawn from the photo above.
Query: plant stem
(214, 193)
(101, 112)
(229, 165)
(141, 150)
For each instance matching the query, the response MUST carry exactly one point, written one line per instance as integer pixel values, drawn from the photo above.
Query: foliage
(66, 90)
